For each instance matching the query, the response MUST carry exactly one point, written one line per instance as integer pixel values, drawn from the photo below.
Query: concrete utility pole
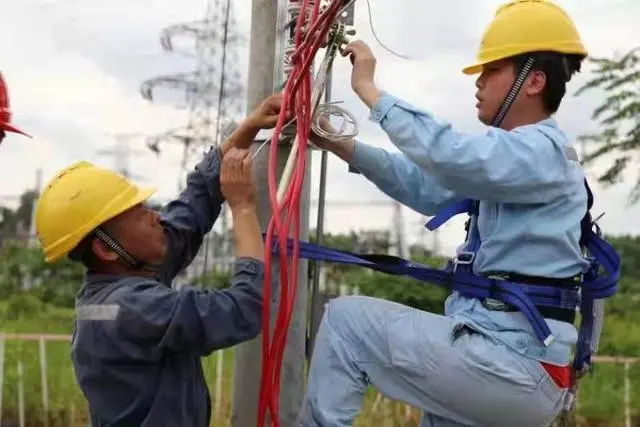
(248, 355)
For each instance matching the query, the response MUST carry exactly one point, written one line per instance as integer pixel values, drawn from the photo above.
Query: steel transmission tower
(213, 90)
(213, 93)
(122, 152)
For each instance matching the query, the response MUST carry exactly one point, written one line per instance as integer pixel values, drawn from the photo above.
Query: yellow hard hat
(524, 26)
(76, 201)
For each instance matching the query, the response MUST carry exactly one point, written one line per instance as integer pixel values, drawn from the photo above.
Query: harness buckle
(463, 258)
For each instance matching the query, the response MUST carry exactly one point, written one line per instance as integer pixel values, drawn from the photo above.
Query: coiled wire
(347, 130)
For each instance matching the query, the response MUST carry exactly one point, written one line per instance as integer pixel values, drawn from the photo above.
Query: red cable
(297, 97)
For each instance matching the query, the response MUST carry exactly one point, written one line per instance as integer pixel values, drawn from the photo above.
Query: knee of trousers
(342, 311)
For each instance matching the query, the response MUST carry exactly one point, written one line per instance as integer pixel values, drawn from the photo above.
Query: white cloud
(74, 69)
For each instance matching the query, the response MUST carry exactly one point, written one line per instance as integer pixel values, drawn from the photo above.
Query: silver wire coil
(329, 110)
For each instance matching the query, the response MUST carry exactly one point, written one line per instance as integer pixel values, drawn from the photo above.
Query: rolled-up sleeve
(401, 179)
(524, 165)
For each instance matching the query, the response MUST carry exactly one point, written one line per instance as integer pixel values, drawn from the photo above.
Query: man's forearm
(247, 234)
(369, 94)
(189, 217)
(241, 138)
(342, 149)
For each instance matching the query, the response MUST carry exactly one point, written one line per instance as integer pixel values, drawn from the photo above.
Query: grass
(600, 399)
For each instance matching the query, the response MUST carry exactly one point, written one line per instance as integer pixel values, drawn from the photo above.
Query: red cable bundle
(297, 98)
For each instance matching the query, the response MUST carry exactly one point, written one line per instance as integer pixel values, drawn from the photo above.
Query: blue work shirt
(137, 343)
(532, 199)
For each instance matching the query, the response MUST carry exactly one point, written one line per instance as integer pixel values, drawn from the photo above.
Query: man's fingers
(276, 99)
(238, 162)
(230, 162)
(347, 51)
(246, 158)
(247, 165)
(225, 169)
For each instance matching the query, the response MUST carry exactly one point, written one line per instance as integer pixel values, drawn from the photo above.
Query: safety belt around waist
(523, 296)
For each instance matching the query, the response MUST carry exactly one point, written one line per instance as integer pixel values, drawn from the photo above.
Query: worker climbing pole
(312, 27)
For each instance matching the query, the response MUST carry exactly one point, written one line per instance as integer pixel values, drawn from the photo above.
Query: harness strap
(594, 288)
(458, 275)
(461, 279)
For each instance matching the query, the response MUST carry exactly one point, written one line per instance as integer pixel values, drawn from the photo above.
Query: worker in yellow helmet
(137, 342)
(488, 361)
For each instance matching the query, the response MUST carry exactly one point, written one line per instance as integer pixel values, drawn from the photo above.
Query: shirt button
(520, 343)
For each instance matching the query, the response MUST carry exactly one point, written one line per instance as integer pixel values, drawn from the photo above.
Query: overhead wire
(216, 136)
(375, 35)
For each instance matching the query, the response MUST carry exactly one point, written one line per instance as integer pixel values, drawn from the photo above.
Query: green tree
(367, 282)
(23, 269)
(618, 115)
(15, 222)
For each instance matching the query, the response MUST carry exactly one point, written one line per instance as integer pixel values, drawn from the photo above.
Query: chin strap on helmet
(117, 248)
(513, 93)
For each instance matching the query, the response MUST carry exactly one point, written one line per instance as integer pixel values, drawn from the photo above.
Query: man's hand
(265, 116)
(236, 179)
(363, 73)
(238, 187)
(342, 149)
(318, 141)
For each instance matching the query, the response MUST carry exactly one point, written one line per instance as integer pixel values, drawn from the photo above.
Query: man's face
(139, 232)
(493, 84)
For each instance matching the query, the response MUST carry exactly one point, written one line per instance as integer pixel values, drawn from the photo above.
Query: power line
(215, 81)
(122, 152)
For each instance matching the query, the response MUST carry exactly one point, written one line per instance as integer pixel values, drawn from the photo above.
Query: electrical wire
(329, 110)
(219, 114)
(285, 204)
(373, 30)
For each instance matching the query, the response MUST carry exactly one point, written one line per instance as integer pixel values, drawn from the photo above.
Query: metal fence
(219, 374)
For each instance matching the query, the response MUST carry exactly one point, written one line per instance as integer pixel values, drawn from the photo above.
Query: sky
(74, 70)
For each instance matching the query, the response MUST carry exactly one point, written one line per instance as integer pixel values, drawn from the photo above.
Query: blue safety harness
(586, 294)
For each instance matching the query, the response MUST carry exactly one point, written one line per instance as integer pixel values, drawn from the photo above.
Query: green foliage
(23, 269)
(15, 222)
(601, 392)
(629, 249)
(38, 307)
(24, 305)
(213, 280)
(394, 288)
(618, 115)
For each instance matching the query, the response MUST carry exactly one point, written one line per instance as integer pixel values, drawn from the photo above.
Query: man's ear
(102, 252)
(535, 83)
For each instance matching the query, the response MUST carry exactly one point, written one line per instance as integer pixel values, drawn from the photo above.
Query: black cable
(218, 119)
(373, 30)
(315, 283)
